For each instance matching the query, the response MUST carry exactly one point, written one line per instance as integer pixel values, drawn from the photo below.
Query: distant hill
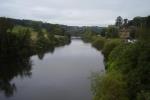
(77, 31)
(54, 28)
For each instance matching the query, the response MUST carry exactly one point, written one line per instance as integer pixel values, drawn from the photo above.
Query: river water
(61, 75)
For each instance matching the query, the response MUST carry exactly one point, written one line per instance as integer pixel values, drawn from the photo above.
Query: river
(61, 75)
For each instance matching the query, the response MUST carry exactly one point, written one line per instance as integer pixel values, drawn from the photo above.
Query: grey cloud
(74, 12)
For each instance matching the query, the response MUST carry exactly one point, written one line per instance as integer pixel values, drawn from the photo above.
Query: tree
(98, 42)
(125, 21)
(5, 24)
(132, 60)
(112, 32)
(119, 21)
(103, 32)
(110, 86)
(109, 46)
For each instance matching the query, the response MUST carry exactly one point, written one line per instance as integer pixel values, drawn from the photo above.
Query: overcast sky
(74, 12)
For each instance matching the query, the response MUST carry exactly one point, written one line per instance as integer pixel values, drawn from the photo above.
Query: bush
(109, 46)
(143, 96)
(110, 86)
(132, 60)
(98, 42)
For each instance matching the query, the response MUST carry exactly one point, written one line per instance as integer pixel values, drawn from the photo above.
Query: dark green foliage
(17, 45)
(133, 62)
(12, 67)
(142, 27)
(98, 42)
(109, 45)
(90, 32)
(103, 32)
(112, 32)
(16, 35)
(37, 26)
(15, 49)
(110, 86)
(5, 25)
(11, 42)
(87, 35)
(128, 67)
(143, 96)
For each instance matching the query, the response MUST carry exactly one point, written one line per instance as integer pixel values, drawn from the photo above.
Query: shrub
(98, 42)
(109, 46)
(110, 86)
(132, 60)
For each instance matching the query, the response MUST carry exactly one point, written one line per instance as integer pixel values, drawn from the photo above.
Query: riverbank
(26, 40)
(127, 68)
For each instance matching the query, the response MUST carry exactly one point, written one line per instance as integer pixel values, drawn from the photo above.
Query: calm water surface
(62, 75)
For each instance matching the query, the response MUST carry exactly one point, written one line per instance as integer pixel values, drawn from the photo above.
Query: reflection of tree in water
(42, 53)
(16, 50)
(15, 64)
(10, 68)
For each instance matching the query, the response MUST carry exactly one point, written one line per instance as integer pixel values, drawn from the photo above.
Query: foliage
(29, 37)
(142, 27)
(109, 45)
(112, 32)
(110, 86)
(143, 96)
(133, 61)
(103, 32)
(98, 42)
(87, 35)
(128, 67)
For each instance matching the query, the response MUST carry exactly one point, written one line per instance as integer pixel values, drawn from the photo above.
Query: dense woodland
(30, 37)
(127, 60)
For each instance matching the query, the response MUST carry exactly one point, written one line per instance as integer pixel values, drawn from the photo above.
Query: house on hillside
(124, 33)
(128, 33)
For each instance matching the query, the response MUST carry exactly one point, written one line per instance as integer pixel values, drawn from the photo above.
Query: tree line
(30, 37)
(127, 64)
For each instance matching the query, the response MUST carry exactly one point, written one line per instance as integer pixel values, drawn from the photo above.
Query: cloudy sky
(74, 12)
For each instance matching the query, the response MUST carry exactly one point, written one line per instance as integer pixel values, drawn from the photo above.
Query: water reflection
(14, 64)
(10, 68)
(42, 53)
(61, 75)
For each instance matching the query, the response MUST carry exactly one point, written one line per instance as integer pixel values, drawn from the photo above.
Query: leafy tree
(112, 32)
(109, 45)
(98, 42)
(103, 32)
(133, 61)
(110, 86)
